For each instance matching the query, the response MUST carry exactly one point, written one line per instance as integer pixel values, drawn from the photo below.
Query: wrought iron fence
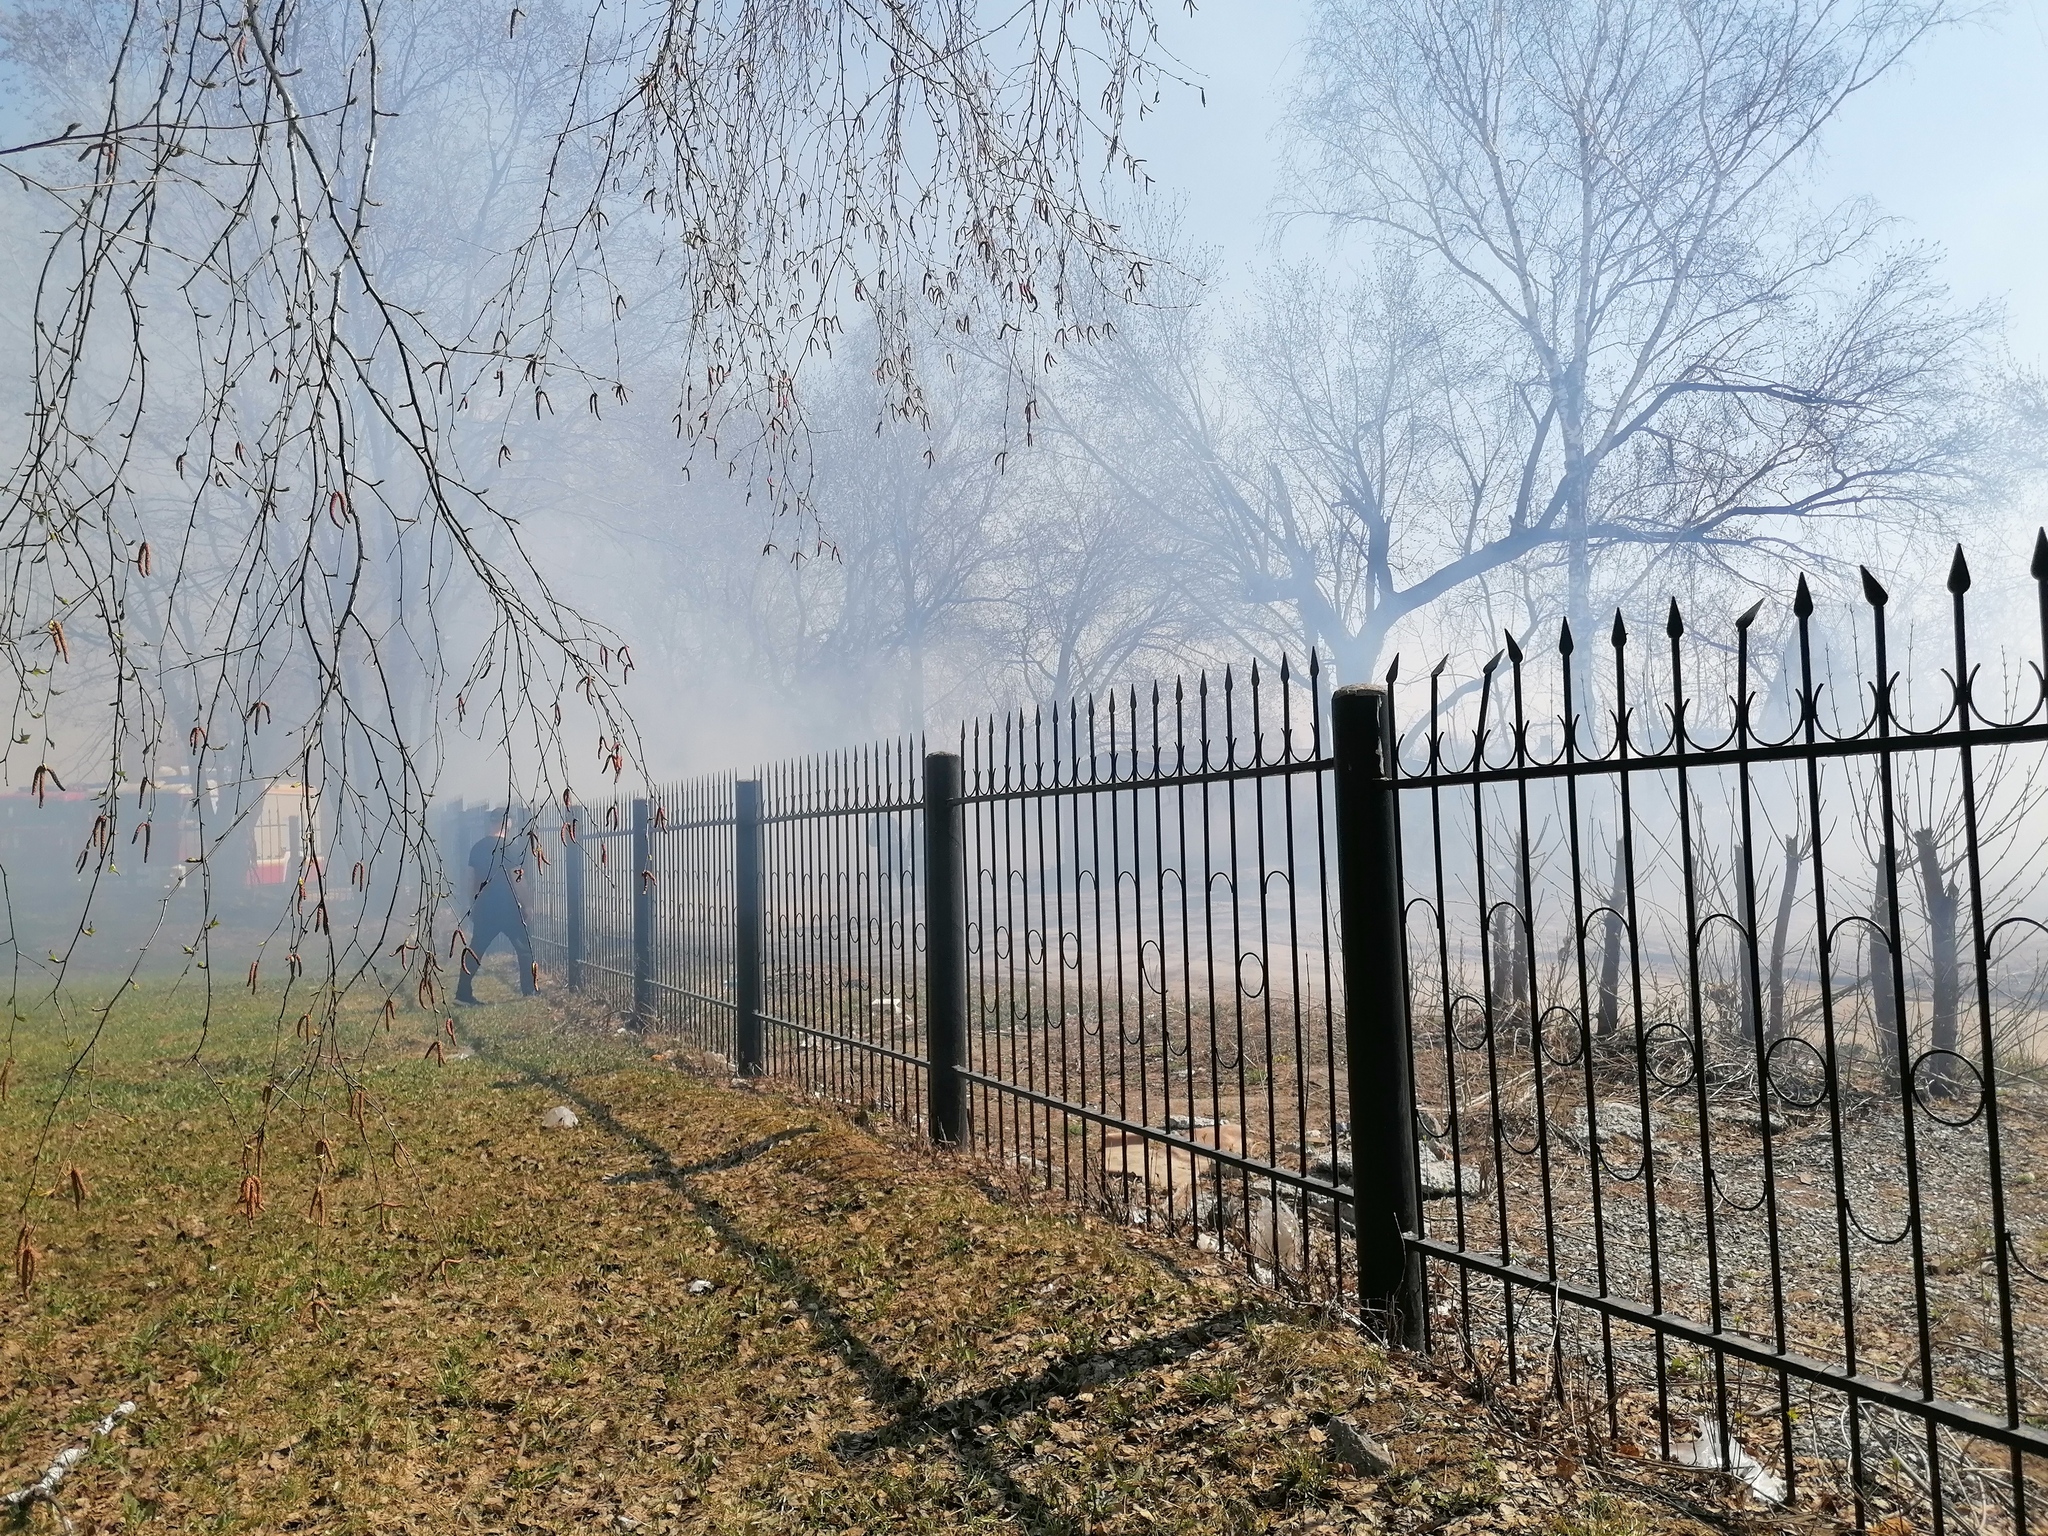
(1660, 1024)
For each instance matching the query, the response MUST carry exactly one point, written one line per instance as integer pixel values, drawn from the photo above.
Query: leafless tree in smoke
(1594, 329)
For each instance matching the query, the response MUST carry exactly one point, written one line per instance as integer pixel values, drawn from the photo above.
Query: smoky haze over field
(1306, 421)
(1373, 364)
(1194, 491)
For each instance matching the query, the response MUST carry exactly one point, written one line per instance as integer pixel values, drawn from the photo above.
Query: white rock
(701, 1287)
(1276, 1236)
(1441, 1178)
(560, 1118)
(1707, 1451)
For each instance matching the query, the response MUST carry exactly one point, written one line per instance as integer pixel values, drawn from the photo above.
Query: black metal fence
(1658, 1025)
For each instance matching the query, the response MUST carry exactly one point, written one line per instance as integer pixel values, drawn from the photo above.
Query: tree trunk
(1941, 925)
(1878, 964)
(1749, 1016)
(1510, 970)
(1610, 949)
(1781, 932)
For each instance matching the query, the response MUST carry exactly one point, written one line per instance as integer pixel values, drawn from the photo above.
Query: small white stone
(560, 1118)
(701, 1287)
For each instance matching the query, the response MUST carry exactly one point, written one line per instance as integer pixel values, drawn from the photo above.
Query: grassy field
(704, 1308)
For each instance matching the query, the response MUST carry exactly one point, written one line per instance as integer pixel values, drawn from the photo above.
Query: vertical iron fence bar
(1292, 874)
(2003, 1240)
(1116, 907)
(1746, 796)
(1695, 985)
(572, 879)
(980, 838)
(746, 979)
(1383, 1174)
(643, 916)
(1594, 1179)
(1528, 977)
(1025, 1001)
(1440, 906)
(1653, 1221)
(1809, 735)
(1233, 885)
(1074, 1046)
(1876, 596)
(775, 880)
(945, 927)
(1329, 973)
(1013, 949)
(1490, 974)
(1262, 857)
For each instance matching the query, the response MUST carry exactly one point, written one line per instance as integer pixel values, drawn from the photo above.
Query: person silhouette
(496, 864)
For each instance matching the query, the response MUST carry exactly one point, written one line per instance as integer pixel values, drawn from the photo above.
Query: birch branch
(46, 1489)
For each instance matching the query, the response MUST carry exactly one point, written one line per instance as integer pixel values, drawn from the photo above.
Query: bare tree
(1593, 323)
(1700, 362)
(902, 608)
(1093, 583)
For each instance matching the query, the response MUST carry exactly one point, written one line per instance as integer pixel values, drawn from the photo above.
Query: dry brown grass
(888, 1346)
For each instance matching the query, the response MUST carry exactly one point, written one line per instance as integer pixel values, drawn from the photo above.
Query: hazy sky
(1955, 144)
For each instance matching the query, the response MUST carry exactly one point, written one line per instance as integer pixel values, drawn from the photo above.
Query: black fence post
(572, 900)
(746, 984)
(1383, 1172)
(945, 947)
(643, 917)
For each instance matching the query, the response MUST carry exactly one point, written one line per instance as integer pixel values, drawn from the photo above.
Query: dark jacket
(494, 867)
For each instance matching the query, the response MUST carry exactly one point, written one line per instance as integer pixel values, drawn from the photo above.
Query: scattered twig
(45, 1489)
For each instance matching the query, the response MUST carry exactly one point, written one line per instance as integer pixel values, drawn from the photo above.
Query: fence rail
(1662, 1024)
